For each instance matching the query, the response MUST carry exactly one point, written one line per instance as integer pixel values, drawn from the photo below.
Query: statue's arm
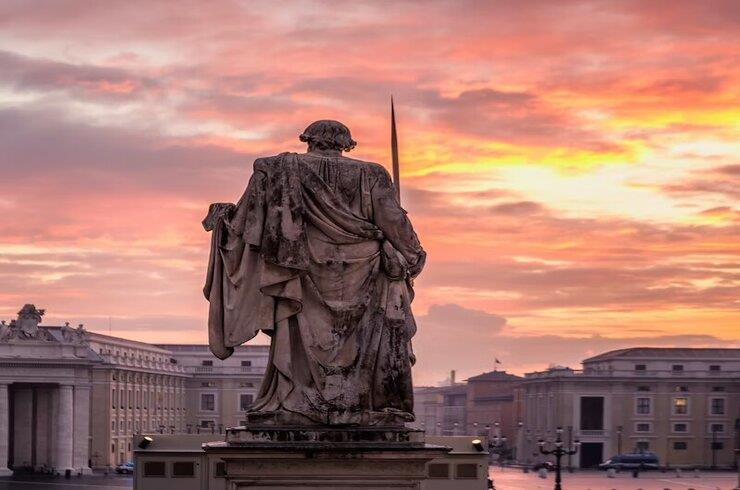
(393, 221)
(216, 211)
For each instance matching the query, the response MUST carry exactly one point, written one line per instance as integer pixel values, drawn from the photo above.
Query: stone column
(82, 429)
(65, 430)
(43, 410)
(4, 430)
(22, 427)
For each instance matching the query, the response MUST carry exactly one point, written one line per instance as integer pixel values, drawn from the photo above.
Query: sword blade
(394, 153)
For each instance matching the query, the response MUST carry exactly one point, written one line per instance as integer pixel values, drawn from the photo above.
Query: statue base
(313, 458)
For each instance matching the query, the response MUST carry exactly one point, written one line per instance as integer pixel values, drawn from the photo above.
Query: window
(154, 468)
(717, 389)
(245, 401)
(717, 446)
(114, 398)
(643, 388)
(677, 368)
(246, 363)
(640, 367)
(716, 428)
(680, 406)
(220, 470)
(183, 469)
(113, 425)
(680, 446)
(681, 427)
(681, 389)
(715, 367)
(438, 470)
(130, 399)
(466, 470)
(208, 402)
(592, 413)
(642, 406)
(206, 363)
(207, 424)
(642, 427)
(642, 446)
(718, 406)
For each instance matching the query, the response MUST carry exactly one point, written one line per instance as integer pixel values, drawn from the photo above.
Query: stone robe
(316, 254)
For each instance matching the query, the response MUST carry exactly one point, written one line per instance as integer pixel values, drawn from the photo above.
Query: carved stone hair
(328, 135)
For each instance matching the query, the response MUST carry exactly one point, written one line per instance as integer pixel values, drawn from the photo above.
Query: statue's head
(328, 135)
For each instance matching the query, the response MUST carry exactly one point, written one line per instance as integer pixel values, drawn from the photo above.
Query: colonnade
(50, 427)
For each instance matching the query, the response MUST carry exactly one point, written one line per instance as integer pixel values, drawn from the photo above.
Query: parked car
(637, 461)
(548, 465)
(125, 468)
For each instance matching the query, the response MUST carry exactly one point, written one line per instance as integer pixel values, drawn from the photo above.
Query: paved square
(514, 479)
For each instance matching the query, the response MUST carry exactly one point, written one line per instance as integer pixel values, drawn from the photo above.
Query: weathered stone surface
(318, 254)
(316, 436)
(320, 465)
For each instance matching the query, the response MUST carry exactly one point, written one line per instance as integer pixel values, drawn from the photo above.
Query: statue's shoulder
(264, 164)
(375, 169)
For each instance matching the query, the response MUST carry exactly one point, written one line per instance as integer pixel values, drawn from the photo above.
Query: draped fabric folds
(316, 254)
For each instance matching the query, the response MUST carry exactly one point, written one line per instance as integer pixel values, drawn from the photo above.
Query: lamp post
(619, 439)
(559, 451)
(497, 443)
(570, 443)
(714, 447)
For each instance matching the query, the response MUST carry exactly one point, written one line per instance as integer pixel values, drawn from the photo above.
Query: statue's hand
(216, 211)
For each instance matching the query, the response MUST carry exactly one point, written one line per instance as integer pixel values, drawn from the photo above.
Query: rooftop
(494, 376)
(667, 353)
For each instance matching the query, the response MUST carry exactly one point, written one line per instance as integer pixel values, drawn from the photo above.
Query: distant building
(493, 408)
(441, 410)
(135, 387)
(679, 403)
(219, 392)
(71, 399)
(486, 405)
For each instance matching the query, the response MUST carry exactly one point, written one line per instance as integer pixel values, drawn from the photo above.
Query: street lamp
(714, 446)
(570, 443)
(559, 451)
(619, 439)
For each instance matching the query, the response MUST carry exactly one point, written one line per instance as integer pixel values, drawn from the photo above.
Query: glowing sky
(571, 167)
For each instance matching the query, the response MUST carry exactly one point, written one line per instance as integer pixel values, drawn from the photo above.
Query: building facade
(485, 405)
(681, 404)
(219, 392)
(71, 399)
(441, 410)
(492, 406)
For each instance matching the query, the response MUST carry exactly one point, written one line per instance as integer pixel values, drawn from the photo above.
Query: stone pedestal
(314, 458)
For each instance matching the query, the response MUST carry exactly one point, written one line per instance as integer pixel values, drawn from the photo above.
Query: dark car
(548, 465)
(638, 461)
(125, 468)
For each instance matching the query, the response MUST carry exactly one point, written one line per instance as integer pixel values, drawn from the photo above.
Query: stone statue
(320, 256)
(76, 336)
(28, 321)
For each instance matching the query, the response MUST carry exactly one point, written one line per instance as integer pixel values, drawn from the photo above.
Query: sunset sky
(572, 168)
